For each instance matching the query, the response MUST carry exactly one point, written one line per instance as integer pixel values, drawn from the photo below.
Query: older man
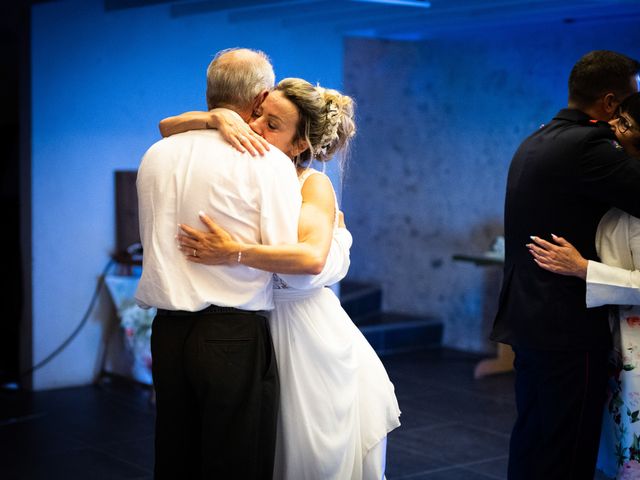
(214, 368)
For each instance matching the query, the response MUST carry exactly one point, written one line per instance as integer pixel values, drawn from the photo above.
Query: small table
(482, 259)
(503, 361)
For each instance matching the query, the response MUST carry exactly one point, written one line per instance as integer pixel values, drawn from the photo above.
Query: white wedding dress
(337, 403)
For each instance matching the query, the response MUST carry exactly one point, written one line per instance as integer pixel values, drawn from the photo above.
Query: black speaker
(127, 230)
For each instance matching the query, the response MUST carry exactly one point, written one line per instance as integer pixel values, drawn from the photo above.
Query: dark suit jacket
(562, 179)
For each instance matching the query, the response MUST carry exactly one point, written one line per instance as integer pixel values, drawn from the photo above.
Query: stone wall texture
(438, 123)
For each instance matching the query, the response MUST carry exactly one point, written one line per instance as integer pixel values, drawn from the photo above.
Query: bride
(336, 401)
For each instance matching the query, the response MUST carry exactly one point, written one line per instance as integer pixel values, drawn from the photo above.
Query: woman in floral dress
(616, 281)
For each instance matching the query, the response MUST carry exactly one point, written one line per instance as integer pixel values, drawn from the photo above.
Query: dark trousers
(560, 399)
(216, 385)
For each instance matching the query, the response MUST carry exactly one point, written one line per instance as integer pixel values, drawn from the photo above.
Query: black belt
(208, 310)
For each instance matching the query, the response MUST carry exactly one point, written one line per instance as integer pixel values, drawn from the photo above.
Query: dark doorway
(14, 174)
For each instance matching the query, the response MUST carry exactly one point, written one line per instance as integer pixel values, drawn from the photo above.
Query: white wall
(101, 81)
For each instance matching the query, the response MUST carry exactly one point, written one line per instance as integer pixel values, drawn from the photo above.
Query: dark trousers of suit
(560, 398)
(217, 388)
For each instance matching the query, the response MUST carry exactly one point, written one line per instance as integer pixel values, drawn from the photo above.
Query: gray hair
(236, 76)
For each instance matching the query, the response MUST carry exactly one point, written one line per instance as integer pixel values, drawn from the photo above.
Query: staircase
(387, 332)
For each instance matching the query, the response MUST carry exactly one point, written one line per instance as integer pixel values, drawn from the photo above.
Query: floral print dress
(616, 282)
(620, 440)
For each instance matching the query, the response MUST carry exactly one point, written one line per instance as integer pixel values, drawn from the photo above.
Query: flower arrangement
(136, 323)
(629, 471)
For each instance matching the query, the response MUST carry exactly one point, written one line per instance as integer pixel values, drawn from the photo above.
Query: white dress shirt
(616, 281)
(256, 199)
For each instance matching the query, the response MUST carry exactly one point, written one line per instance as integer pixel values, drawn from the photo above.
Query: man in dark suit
(562, 179)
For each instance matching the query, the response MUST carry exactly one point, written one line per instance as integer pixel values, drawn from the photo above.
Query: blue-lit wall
(101, 83)
(439, 121)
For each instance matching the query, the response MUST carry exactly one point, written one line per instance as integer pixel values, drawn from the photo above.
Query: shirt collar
(573, 115)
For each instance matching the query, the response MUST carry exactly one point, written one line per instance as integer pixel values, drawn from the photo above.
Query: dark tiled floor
(453, 427)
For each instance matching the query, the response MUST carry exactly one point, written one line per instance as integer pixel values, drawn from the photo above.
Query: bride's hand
(237, 132)
(559, 257)
(215, 247)
(231, 126)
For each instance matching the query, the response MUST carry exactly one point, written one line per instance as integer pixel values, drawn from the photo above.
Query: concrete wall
(439, 121)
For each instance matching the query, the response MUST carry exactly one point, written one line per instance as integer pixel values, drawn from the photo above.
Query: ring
(195, 252)
(242, 138)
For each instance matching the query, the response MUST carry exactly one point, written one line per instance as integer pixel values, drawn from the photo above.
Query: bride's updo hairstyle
(326, 120)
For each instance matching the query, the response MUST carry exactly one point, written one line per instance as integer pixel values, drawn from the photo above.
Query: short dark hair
(600, 72)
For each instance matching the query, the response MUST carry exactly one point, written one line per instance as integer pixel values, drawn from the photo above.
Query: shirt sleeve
(280, 203)
(335, 268)
(608, 285)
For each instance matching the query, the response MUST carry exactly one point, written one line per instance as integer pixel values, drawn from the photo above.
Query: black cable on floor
(77, 330)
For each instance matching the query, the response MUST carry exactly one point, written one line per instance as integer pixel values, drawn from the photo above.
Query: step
(359, 298)
(389, 332)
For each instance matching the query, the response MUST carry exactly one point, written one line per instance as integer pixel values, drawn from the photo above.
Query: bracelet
(239, 256)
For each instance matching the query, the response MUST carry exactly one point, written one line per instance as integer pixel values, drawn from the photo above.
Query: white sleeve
(280, 204)
(607, 285)
(335, 268)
